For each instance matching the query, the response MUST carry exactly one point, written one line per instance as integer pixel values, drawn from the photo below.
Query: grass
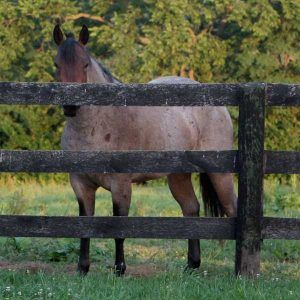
(36, 268)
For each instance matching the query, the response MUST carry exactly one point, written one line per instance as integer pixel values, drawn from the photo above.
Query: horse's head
(72, 60)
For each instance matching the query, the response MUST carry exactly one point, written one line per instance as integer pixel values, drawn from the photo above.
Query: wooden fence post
(251, 163)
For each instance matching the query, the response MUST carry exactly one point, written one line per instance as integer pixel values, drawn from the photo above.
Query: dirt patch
(29, 267)
(35, 267)
(142, 270)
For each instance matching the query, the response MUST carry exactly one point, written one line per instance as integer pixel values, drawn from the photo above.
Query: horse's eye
(85, 66)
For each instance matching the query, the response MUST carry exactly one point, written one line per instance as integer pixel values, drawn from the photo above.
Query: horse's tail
(212, 205)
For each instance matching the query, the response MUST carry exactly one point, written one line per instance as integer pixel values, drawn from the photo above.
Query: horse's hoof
(83, 269)
(120, 269)
(193, 265)
(189, 271)
(192, 269)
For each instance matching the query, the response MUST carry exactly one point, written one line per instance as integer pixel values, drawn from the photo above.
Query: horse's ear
(58, 35)
(84, 35)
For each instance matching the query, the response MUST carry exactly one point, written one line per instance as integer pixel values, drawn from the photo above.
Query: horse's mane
(107, 74)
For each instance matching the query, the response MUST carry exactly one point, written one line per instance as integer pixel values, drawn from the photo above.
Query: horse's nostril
(70, 110)
(70, 114)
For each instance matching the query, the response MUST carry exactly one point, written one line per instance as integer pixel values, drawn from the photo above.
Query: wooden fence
(251, 162)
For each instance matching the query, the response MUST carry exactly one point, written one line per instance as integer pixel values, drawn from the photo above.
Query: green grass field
(36, 268)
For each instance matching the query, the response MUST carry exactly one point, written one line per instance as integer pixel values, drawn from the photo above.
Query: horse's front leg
(85, 193)
(121, 197)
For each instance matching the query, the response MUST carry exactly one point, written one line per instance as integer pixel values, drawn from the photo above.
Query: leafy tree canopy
(207, 40)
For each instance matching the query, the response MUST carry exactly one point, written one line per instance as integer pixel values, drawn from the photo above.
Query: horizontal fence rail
(118, 227)
(216, 94)
(281, 228)
(284, 162)
(117, 161)
(141, 227)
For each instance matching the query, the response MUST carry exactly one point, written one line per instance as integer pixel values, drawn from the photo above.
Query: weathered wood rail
(251, 162)
(142, 227)
(282, 162)
(216, 94)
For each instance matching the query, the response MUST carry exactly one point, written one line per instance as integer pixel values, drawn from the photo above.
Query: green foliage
(24, 127)
(281, 198)
(63, 253)
(207, 40)
(26, 51)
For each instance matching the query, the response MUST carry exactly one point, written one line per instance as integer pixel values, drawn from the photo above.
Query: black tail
(212, 205)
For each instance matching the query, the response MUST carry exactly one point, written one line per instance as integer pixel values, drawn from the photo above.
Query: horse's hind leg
(85, 193)
(223, 185)
(182, 190)
(121, 197)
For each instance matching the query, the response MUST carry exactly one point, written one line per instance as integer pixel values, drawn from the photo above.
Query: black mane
(107, 74)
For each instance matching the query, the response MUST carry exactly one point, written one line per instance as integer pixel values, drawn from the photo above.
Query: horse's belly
(138, 177)
(106, 180)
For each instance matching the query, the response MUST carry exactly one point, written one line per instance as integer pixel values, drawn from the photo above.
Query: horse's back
(172, 80)
(214, 123)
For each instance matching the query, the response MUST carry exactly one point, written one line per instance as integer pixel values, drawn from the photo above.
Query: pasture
(200, 41)
(43, 268)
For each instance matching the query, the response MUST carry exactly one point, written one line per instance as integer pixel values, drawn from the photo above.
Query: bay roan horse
(139, 128)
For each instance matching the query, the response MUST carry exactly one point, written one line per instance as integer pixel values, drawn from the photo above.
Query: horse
(139, 128)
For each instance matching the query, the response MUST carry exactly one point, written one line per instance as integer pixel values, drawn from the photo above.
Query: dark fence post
(251, 162)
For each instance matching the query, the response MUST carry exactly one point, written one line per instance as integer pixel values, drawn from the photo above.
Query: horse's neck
(95, 74)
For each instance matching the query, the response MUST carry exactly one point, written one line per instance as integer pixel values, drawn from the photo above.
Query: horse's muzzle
(70, 110)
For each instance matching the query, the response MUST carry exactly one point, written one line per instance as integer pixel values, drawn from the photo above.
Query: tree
(207, 40)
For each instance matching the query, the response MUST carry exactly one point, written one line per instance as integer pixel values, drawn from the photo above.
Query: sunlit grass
(46, 268)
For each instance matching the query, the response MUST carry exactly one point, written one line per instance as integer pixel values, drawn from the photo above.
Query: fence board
(118, 227)
(283, 162)
(117, 161)
(251, 163)
(283, 94)
(140, 94)
(141, 227)
(119, 94)
(281, 228)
